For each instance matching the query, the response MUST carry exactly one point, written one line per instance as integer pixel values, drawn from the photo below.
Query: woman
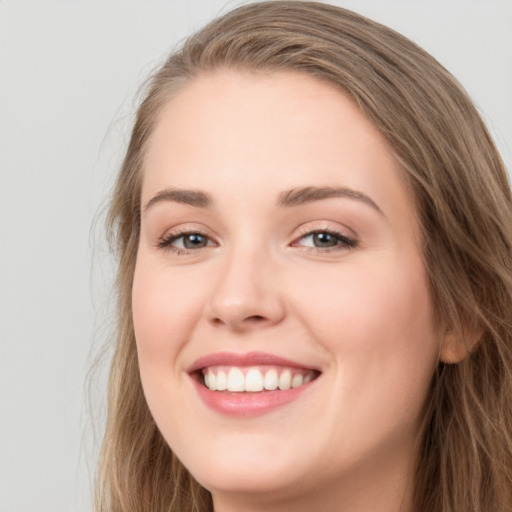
(315, 294)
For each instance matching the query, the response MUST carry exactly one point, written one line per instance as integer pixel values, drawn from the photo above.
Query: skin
(361, 314)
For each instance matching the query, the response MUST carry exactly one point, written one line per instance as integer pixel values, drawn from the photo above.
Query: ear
(456, 346)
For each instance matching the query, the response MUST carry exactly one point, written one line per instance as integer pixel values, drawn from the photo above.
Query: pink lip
(245, 404)
(248, 359)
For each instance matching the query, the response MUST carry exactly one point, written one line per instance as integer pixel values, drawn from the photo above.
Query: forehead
(232, 110)
(268, 132)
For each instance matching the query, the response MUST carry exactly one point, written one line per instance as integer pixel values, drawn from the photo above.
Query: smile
(250, 384)
(255, 379)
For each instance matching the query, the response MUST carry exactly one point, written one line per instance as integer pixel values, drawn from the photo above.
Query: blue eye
(186, 241)
(194, 241)
(325, 240)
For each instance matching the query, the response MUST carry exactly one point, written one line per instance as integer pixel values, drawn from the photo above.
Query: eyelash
(166, 242)
(344, 243)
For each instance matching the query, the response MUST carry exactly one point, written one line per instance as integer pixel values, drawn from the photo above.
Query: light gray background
(69, 71)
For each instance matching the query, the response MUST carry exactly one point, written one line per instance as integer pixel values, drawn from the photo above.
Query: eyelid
(171, 239)
(347, 241)
(165, 241)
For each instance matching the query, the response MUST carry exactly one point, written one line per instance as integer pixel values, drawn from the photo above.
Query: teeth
(212, 380)
(271, 380)
(222, 381)
(236, 380)
(285, 380)
(296, 381)
(254, 379)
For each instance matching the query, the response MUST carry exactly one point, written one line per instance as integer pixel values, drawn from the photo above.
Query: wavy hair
(463, 200)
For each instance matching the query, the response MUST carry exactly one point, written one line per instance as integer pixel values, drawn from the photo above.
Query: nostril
(247, 321)
(255, 318)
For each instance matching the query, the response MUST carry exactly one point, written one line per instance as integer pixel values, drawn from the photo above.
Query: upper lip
(244, 359)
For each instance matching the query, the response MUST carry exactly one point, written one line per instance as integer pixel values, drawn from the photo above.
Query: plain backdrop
(69, 74)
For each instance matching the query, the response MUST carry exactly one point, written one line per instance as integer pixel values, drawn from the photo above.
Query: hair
(464, 206)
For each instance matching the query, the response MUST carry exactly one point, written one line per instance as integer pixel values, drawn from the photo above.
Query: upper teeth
(254, 379)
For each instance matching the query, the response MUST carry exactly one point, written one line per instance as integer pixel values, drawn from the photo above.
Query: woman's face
(279, 247)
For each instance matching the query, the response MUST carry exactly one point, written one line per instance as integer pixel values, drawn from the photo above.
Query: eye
(192, 241)
(321, 240)
(185, 241)
(325, 239)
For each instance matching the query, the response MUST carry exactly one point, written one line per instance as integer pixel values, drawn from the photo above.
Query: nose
(246, 295)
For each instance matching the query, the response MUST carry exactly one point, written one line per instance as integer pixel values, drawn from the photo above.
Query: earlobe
(455, 347)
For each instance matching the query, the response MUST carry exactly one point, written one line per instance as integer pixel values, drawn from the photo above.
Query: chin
(251, 482)
(247, 470)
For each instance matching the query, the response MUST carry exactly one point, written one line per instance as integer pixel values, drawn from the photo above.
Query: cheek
(377, 322)
(370, 303)
(165, 307)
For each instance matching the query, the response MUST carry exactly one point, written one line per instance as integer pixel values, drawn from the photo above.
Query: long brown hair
(464, 205)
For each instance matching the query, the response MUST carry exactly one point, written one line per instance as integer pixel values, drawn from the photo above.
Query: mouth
(250, 384)
(255, 379)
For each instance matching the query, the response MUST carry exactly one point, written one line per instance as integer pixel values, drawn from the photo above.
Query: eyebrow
(288, 198)
(298, 196)
(191, 197)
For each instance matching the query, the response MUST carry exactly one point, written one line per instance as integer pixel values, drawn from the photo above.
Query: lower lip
(248, 404)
